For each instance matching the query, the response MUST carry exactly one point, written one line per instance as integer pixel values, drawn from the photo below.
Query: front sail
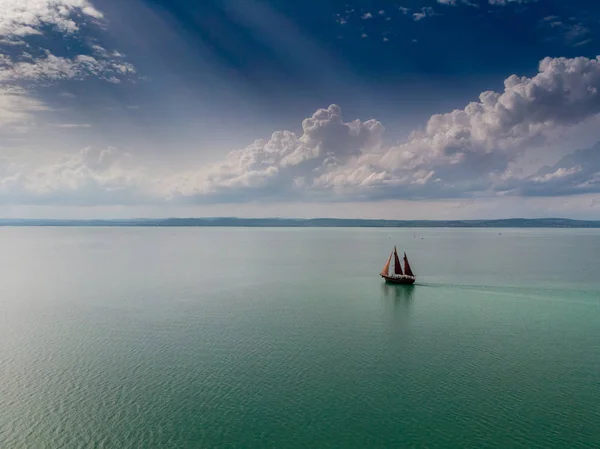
(386, 268)
(397, 267)
(407, 269)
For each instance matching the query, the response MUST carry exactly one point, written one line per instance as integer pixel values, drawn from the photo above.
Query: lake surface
(287, 338)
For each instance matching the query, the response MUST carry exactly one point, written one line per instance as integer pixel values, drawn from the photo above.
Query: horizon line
(514, 222)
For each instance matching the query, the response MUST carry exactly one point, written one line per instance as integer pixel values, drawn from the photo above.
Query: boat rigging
(398, 277)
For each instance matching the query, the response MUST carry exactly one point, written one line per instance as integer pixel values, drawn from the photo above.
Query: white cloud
(19, 18)
(560, 173)
(425, 12)
(456, 2)
(366, 16)
(54, 68)
(457, 153)
(22, 18)
(465, 152)
(286, 164)
(90, 177)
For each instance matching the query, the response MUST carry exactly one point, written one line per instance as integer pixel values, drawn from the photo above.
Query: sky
(409, 109)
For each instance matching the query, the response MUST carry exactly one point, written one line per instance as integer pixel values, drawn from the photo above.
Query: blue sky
(408, 109)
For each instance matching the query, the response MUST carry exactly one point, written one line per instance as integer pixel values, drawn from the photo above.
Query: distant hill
(314, 223)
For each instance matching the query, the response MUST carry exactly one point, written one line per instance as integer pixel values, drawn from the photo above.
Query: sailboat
(397, 277)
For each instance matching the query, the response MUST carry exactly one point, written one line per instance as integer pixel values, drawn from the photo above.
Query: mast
(407, 269)
(386, 268)
(397, 267)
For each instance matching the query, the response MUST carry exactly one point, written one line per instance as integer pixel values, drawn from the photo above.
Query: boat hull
(404, 280)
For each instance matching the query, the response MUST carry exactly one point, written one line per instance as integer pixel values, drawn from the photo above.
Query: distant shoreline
(307, 223)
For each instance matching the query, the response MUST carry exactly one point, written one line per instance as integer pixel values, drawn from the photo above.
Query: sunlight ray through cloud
(77, 132)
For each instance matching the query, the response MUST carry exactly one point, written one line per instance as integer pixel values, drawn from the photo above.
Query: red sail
(407, 269)
(386, 268)
(397, 267)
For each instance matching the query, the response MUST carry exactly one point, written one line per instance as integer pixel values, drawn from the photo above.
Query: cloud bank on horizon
(473, 152)
(461, 153)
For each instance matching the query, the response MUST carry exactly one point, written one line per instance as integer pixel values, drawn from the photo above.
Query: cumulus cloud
(462, 152)
(469, 144)
(284, 165)
(92, 176)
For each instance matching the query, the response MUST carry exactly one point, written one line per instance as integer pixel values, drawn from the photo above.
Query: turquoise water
(285, 338)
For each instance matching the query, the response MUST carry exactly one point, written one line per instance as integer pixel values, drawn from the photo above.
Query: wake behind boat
(397, 277)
